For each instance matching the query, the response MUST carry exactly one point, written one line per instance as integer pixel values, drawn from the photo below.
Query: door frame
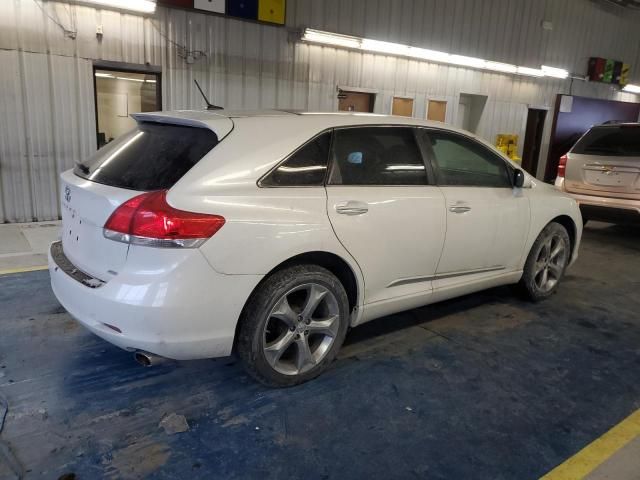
(535, 163)
(128, 68)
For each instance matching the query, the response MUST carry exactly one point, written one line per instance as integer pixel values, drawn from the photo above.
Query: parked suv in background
(602, 172)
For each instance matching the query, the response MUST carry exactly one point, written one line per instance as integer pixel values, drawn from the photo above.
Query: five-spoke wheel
(546, 262)
(293, 325)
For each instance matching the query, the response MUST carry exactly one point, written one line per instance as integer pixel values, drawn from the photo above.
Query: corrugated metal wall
(47, 118)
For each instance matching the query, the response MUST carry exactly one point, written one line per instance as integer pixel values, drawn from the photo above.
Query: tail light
(562, 166)
(149, 220)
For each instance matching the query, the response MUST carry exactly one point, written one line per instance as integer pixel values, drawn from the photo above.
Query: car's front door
(385, 211)
(487, 219)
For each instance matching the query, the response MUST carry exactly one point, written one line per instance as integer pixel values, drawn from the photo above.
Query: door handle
(459, 209)
(352, 208)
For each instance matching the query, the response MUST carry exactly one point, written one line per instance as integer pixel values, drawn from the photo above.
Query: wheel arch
(568, 223)
(337, 265)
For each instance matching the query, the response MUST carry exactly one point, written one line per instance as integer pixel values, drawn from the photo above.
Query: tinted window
(306, 167)
(376, 156)
(620, 141)
(462, 161)
(152, 156)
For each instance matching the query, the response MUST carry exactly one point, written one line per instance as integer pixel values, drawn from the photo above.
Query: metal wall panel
(47, 118)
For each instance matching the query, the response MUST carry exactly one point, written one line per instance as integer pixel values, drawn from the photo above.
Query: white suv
(271, 233)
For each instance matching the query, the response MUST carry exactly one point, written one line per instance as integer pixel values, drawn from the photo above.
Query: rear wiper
(83, 168)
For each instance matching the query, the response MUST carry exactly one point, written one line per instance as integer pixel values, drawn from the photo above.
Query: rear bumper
(604, 208)
(168, 302)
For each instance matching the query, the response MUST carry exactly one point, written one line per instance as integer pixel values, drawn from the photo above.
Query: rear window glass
(152, 156)
(620, 141)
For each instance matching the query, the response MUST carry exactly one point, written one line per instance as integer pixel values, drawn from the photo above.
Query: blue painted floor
(484, 387)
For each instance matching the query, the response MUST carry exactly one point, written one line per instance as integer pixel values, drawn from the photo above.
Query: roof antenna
(210, 106)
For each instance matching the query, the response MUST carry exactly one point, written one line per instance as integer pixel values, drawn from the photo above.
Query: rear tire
(546, 263)
(293, 326)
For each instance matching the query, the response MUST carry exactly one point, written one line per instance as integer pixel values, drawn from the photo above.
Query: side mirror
(518, 178)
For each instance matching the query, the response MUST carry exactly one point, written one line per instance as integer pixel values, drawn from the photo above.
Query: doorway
(533, 140)
(118, 94)
(402, 106)
(355, 101)
(470, 108)
(436, 110)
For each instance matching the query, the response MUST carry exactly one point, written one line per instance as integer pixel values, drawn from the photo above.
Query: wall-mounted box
(216, 6)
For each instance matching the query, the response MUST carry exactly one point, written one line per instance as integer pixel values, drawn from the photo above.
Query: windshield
(152, 156)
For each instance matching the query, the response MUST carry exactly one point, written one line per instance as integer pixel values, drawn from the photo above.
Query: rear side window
(376, 156)
(306, 167)
(152, 156)
(620, 141)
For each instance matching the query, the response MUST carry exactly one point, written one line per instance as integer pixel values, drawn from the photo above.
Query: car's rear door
(487, 219)
(606, 162)
(384, 209)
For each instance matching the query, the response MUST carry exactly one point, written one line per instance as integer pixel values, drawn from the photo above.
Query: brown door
(402, 106)
(355, 102)
(533, 140)
(436, 110)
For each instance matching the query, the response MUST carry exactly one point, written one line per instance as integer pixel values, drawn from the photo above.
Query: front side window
(304, 168)
(376, 156)
(463, 161)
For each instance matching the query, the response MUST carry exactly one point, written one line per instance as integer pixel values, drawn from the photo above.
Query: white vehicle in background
(271, 233)
(602, 172)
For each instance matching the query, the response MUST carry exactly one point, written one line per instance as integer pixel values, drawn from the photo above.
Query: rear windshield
(621, 141)
(152, 156)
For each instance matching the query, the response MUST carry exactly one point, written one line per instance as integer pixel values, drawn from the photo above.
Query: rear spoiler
(218, 124)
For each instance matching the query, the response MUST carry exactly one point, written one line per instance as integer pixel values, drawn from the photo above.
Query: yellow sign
(271, 11)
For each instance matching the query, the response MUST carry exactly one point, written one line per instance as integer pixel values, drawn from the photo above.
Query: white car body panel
(185, 303)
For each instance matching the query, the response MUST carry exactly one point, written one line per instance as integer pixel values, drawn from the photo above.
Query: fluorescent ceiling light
(316, 36)
(631, 88)
(533, 72)
(385, 47)
(554, 72)
(390, 48)
(104, 75)
(143, 6)
(150, 81)
(501, 67)
(466, 61)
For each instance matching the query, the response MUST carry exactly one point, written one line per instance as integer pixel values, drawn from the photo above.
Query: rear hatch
(153, 156)
(606, 162)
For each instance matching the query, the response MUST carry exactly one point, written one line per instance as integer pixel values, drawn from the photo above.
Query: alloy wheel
(550, 263)
(301, 328)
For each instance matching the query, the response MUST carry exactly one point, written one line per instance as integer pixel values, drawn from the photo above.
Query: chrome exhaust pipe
(147, 359)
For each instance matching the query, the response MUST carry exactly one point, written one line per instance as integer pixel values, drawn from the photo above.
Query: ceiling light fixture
(142, 6)
(554, 72)
(398, 49)
(104, 75)
(631, 88)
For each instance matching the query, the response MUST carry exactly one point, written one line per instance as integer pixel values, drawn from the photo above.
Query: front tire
(546, 263)
(293, 325)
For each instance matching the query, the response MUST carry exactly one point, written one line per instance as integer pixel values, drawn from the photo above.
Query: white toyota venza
(269, 234)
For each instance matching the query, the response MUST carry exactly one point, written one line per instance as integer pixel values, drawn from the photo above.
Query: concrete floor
(486, 386)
